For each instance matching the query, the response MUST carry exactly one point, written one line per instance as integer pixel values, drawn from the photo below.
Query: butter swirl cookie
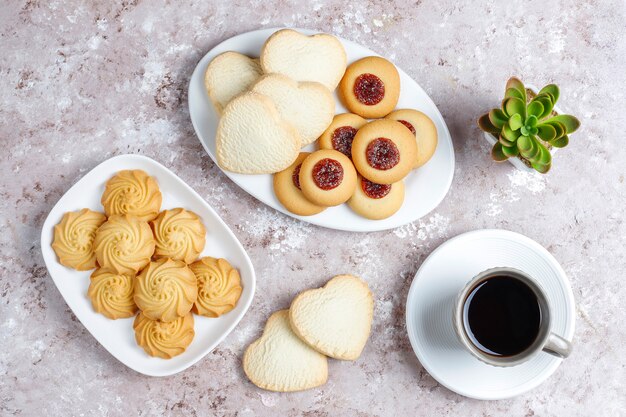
(124, 244)
(165, 290)
(179, 235)
(111, 294)
(74, 237)
(132, 192)
(219, 286)
(164, 339)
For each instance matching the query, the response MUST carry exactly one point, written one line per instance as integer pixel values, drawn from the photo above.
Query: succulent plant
(527, 126)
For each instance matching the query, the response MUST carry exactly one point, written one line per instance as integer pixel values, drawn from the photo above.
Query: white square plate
(117, 336)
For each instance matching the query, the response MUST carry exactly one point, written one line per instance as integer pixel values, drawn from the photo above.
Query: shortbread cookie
(179, 235)
(219, 286)
(166, 290)
(384, 151)
(370, 87)
(340, 134)
(279, 361)
(376, 201)
(320, 57)
(289, 193)
(327, 178)
(132, 192)
(111, 294)
(228, 75)
(164, 339)
(124, 244)
(74, 236)
(336, 319)
(424, 130)
(252, 138)
(307, 106)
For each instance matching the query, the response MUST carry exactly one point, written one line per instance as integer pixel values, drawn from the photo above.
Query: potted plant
(528, 126)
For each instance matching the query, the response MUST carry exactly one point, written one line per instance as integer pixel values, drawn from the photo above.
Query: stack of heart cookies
(333, 321)
(273, 106)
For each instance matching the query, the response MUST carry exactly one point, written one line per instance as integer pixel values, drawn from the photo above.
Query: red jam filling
(382, 153)
(327, 174)
(409, 125)
(295, 177)
(373, 190)
(369, 89)
(342, 140)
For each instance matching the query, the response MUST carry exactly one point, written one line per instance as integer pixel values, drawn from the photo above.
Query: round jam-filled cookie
(124, 244)
(166, 290)
(74, 236)
(341, 132)
(111, 294)
(327, 177)
(376, 201)
(384, 151)
(370, 87)
(132, 192)
(289, 193)
(424, 130)
(164, 339)
(219, 286)
(179, 235)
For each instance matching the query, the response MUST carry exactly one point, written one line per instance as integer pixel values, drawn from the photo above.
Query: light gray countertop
(83, 81)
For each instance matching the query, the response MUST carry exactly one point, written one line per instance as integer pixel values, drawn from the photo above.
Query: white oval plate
(430, 304)
(117, 336)
(425, 187)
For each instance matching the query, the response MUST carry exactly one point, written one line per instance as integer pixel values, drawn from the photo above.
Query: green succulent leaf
(497, 118)
(561, 142)
(524, 145)
(553, 90)
(524, 131)
(485, 124)
(497, 154)
(531, 121)
(510, 151)
(514, 105)
(558, 127)
(543, 161)
(535, 108)
(546, 101)
(542, 169)
(546, 132)
(505, 142)
(529, 150)
(516, 84)
(512, 92)
(515, 121)
(509, 133)
(569, 122)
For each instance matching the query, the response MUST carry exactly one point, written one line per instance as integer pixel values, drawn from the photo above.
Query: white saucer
(430, 303)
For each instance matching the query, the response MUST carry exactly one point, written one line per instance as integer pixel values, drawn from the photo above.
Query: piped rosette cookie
(384, 151)
(289, 192)
(164, 339)
(423, 129)
(124, 244)
(74, 237)
(219, 286)
(165, 290)
(132, 192)
(340, 134)
(327, 177)
(179, 235)
(111, 293)
(376, 201)
(370, 87)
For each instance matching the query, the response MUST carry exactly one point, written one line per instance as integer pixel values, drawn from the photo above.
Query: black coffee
(502, 316)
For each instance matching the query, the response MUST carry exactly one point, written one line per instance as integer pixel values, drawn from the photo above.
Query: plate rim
(49, 223)
(375, 225)
(507, 234)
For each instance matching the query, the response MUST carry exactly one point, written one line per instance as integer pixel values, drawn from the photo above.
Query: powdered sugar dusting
(435, 226)
(533, 181)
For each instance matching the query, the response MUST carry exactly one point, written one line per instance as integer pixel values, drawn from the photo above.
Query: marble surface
(83, 81)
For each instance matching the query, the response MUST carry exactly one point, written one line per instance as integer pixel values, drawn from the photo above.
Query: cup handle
(557, 346)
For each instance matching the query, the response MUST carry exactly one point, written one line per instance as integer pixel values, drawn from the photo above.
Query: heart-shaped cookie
(252, 138)
(320, 57)
(228, 75)
(307, 105)
(336, 319)
(279, 361)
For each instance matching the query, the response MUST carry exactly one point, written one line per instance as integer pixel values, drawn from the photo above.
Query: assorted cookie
(291, 354)
(147, 261)
(341, 132)
(289, 192)
(424, 130)
(376, 201)
(327, 178)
